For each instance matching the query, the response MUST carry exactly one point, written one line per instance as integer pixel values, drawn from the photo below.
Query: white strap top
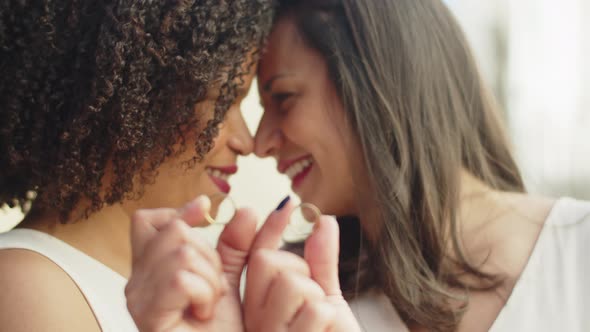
(102, 287)
(374, 312)
(552, 294)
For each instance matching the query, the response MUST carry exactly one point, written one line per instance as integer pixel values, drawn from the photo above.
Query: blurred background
(535, 54)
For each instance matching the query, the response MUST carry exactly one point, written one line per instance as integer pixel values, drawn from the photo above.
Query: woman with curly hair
(107, 107)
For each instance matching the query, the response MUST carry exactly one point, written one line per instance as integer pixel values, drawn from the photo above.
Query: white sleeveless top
(552, 294)
(102, 287)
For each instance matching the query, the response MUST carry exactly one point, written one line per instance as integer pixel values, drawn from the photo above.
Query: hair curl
(88, 83)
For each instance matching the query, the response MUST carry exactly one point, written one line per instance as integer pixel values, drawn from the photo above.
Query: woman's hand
(287, 293)
(178, 282)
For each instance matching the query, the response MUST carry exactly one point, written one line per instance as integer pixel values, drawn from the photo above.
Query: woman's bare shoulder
(515, 232)
(37, 295)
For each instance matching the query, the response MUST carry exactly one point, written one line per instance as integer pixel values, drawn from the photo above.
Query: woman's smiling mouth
(220, 176)
(297, 169)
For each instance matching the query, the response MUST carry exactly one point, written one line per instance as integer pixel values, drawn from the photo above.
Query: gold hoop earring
(225, 209)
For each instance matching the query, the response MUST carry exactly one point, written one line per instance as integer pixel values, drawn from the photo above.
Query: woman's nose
(241, 140)
(268, 138)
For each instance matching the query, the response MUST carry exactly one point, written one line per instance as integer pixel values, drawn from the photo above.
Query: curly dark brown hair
(91, 83)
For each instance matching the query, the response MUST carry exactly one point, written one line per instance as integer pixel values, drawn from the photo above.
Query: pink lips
(232, 169)
(300, 177)
(222, 184)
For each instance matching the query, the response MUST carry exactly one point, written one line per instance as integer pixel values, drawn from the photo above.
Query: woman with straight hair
(378, 114)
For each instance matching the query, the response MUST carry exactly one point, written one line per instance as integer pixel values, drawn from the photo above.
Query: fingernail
(316, 225)
(203, 201)
(283, 203)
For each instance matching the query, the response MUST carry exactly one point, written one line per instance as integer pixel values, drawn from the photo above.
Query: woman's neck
(104, 235)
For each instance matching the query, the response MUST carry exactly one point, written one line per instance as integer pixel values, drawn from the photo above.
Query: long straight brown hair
(414, 97)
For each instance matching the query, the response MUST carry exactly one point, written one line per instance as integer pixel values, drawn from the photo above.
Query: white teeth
(297, 168)
(218, 174)
(291, 173)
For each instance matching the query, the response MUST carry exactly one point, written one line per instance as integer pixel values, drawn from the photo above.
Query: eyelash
(280, 98)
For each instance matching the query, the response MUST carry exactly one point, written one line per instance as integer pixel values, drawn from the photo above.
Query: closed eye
(279, 98)
(283, 101)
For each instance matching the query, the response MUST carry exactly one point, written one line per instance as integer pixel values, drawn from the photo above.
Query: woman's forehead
(286, 53)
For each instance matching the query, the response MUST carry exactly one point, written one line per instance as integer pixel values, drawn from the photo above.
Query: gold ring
(313, 208)
(296, 231)
(224, 196)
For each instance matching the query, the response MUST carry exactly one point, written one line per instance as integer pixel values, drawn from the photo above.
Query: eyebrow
(266, 87)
